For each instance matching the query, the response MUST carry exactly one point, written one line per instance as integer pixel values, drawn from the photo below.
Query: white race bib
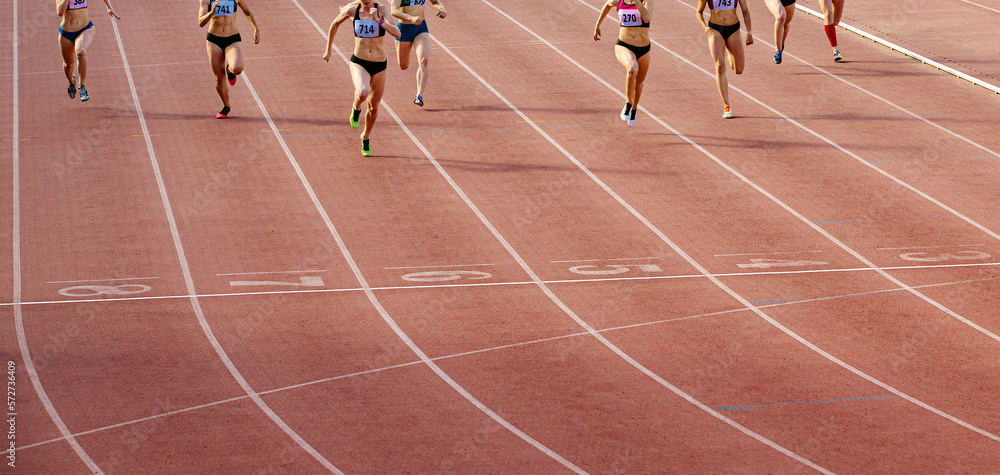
(723, 4)
(77, 4)
(631, 17)
(366, 28)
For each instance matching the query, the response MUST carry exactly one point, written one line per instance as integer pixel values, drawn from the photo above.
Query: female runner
(632, 49)
(832, 11)
(368, 62)
(723, 30)
(782, 11)
(413, 33)
(76, 32)
(224, 41)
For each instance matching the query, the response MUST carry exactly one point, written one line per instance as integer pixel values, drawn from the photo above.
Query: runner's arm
(700, 13)
(253, 22)
(600, 19)
(397, 12)
(206, 12)
(645, 10)
(345, 13)
(389, 26)
(440, 6)
(111, 11)
(746, 19)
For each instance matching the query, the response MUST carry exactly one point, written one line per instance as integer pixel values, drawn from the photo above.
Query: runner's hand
(326, 55)
(597, 34)
(112, 13)
(442, 13)
(256, 37)
(214, 8)
(749, 38)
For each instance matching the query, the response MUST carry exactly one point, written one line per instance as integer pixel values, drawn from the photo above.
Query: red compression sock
(831, 34)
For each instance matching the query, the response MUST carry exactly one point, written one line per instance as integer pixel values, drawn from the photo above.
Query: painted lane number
(95, 290)
(769, 263)
(446, 275)
(308, 281)
(954, 256)
(614, 269)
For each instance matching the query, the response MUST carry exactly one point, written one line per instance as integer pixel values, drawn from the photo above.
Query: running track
(809, 287)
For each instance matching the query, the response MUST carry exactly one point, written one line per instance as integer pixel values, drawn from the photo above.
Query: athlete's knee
(633, 71)
(364, 93)
(423, 62)
(782, 18)
(237, 69)
(81, 54)
(738, 68)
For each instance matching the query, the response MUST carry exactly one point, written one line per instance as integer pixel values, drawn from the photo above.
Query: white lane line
(371, 294)
(906, 52)
(981, 6)
(927, 247)
(275, 272)
(476, 352)
(767, 253)
(548, 292)
(189, 281)
(494, 284)
(22, 339)
(438, 267)
(604, 260)
(774, 199)
(100, 280)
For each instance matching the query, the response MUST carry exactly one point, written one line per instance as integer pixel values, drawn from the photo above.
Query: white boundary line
(704, 271)
(371, 294)
(481, 351)
(189, 281)
(981, 6)
(22, 340)
(906, 52)
(494, 284)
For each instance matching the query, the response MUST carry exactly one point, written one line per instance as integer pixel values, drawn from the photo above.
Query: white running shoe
(625, 111)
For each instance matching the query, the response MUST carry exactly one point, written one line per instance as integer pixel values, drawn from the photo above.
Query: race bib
(723, 4)
(77, 4)
(226, 8)
(630, 17)
(366, 28)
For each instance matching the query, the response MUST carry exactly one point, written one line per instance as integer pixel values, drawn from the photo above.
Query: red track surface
(871, 346)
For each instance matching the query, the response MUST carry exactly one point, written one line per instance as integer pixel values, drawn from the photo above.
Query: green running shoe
(366, 148)
(355, 118)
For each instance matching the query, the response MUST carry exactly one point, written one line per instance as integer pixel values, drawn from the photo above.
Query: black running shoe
(72, 88)
(223, 113)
